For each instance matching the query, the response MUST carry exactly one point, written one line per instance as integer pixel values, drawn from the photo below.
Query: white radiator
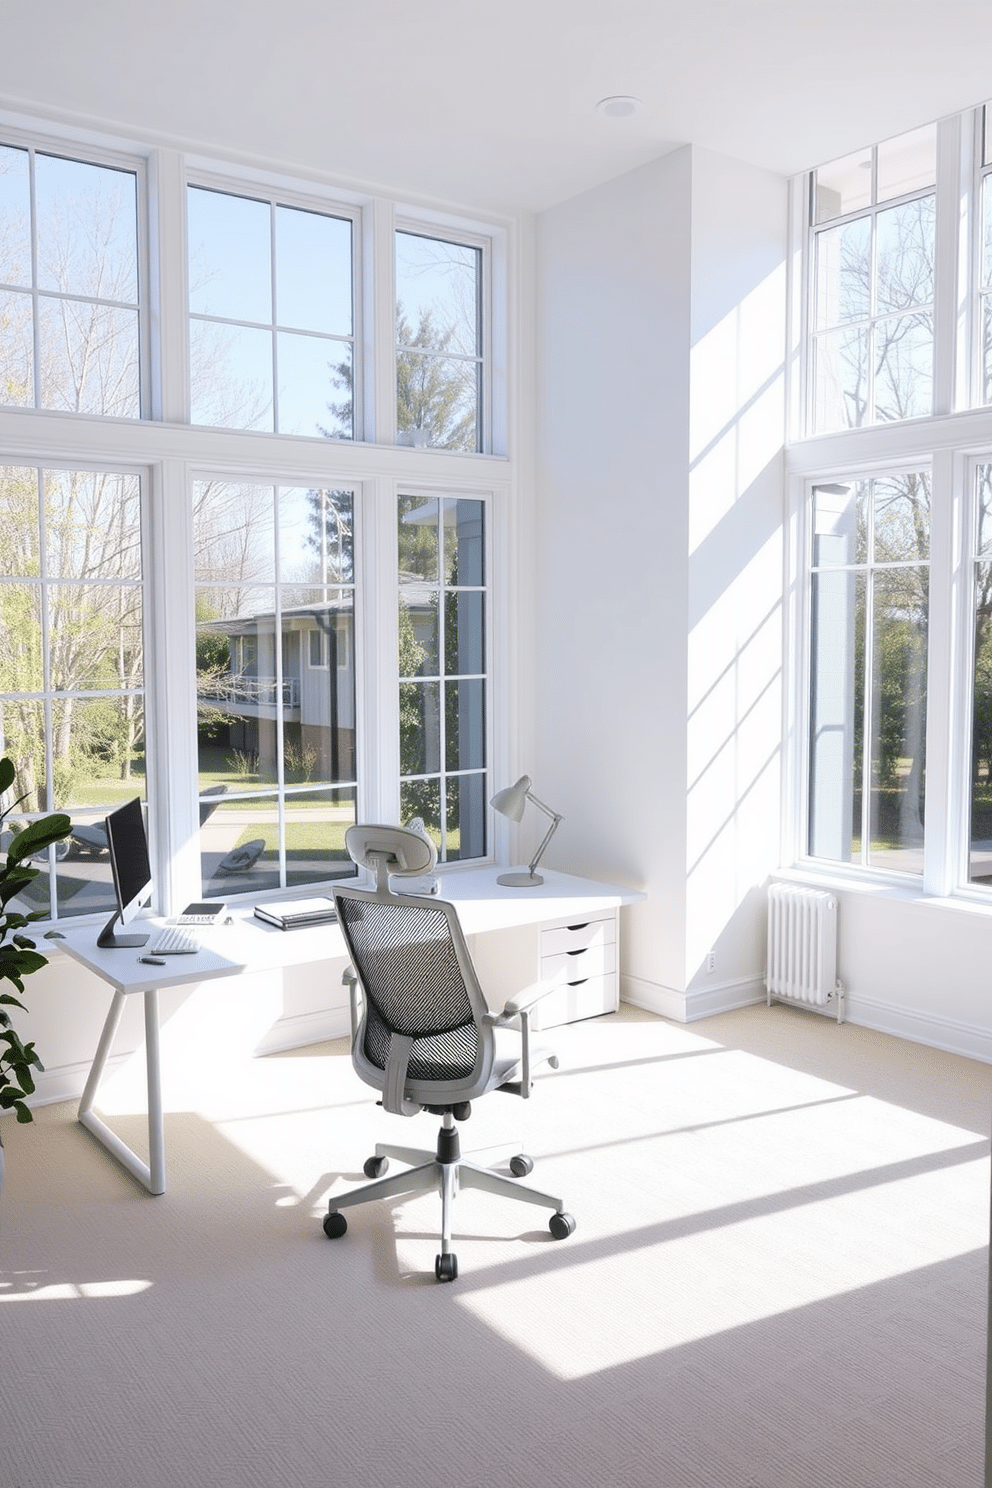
(802, 947)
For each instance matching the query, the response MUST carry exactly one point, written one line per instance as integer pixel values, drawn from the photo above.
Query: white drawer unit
(521, 936)
(580, 957)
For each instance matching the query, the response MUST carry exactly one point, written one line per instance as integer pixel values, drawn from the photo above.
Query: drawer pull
(578, 927)
(580, 983)
(579, 951)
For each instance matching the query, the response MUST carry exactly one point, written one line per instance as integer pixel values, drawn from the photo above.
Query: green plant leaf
(23, 962)
(7, 773)
(38, 835)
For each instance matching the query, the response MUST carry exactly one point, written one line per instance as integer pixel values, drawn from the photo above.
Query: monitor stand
(108, 941)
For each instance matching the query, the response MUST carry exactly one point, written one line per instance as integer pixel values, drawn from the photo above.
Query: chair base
(447, 1171)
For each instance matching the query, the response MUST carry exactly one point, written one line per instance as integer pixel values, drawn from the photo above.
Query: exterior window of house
(246, 559)
(274, 567)
(873, 263)
(439, 343)
(271, 316)
(985, 262)
(69, 310)
(72, 671)
(980, 854)
(868, 669)
(442, 648)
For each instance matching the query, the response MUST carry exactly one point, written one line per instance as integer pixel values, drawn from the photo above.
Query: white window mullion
(378, 322)
(167, 360)
(171, 687)
(947, 264)
(377, 658)
(948, 702)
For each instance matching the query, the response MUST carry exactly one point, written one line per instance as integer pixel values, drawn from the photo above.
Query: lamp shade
(512, 800)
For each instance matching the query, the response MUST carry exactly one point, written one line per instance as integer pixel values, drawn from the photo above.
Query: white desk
(561, 904)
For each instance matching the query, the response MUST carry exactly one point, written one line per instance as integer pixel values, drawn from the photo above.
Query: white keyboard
(175, 942)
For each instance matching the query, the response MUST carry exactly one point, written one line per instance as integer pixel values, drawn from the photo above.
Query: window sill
(837, 881)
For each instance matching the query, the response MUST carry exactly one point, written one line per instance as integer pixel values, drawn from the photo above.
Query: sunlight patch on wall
(737, 405)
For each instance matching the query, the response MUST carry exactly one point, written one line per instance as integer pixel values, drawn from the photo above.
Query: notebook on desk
(290, 914)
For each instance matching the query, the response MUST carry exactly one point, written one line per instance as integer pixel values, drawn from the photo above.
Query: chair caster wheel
(375, 1166)
(521, 1165)
(561, 1226)
(334, 1225)
(446, 1267)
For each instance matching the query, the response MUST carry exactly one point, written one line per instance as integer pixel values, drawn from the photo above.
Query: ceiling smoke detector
(620, 106)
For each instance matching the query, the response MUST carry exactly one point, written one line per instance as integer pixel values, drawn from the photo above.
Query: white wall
(917, 967)
(661, 302)
(66, 1007)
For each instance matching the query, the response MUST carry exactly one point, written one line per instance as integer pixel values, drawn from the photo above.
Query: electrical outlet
(711, 961)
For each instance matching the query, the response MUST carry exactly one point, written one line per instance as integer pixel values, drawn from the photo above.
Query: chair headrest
(400, 851)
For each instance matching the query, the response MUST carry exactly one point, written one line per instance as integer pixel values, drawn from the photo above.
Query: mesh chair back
(417, 979)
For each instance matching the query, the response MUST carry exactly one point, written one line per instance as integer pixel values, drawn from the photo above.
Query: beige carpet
(777, 1279)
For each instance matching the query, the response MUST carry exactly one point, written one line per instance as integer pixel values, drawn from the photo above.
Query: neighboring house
(312, 688)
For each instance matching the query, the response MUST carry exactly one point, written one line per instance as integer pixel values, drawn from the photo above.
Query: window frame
(265, 189)
(86, 148)
(950, 441)
(491, 438)
(48, 694)
(409, 489)
(168, 452)
(813, 336)
(800, 698)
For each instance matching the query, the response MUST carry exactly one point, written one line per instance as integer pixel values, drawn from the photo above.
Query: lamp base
(525, 880)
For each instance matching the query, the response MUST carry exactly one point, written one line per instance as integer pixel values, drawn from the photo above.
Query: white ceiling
(493, 104)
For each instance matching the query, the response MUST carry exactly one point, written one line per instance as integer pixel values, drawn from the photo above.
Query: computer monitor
(132, 872)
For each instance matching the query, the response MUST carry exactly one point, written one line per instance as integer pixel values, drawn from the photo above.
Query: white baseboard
(306, 1028)
(66, 1082)
(918, 1027)
(695, 1002)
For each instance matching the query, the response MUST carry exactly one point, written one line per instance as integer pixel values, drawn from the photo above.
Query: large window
(442, 701)
(869, 614)
(69, 321)
(271, 316)
(873, 252)
(439, 382)
(275, 606)
(200, 365)
(72, 670)
(980, 845)
(897, 770)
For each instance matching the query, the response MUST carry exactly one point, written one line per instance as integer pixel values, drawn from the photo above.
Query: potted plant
(18, 956)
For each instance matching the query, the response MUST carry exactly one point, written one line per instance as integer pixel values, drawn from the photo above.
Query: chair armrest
(525, 999)
(520, 1006)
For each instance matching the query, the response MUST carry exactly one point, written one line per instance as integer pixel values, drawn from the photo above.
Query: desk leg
(152, 1173)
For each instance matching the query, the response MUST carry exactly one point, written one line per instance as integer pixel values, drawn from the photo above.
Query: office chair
(422, 1034)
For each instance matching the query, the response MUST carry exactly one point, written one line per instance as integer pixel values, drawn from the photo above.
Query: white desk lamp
(510, 803)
